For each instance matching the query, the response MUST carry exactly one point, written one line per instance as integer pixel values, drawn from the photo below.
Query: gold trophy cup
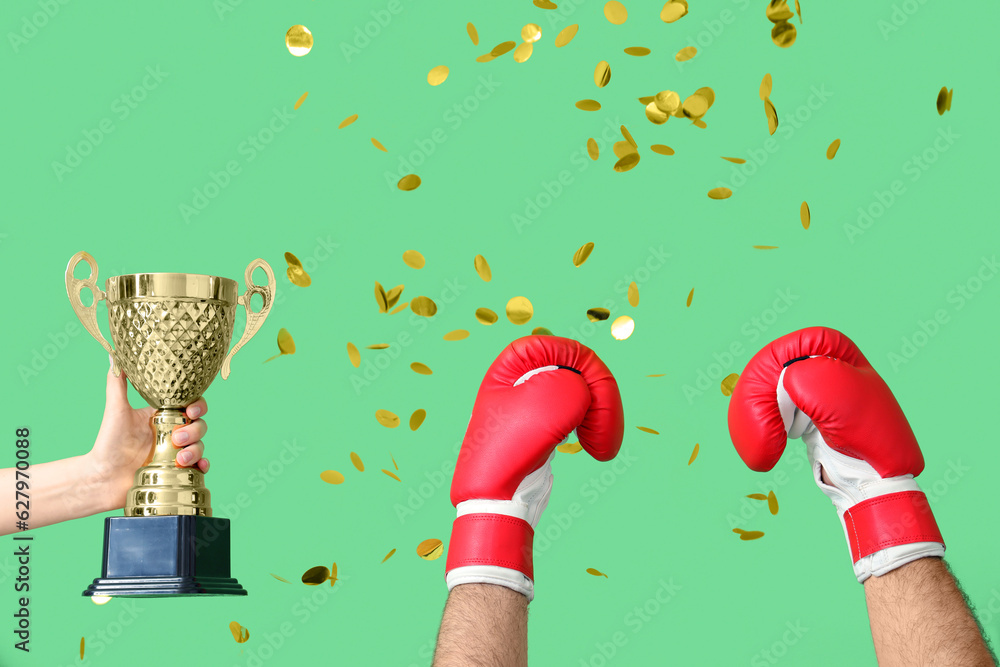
(171, 333)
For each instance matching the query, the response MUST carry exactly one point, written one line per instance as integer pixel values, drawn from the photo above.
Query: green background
(326, 195)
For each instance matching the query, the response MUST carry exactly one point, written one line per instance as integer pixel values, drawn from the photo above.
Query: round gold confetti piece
(646, 99)
(783, 34)
(285, 342)
(486, 316)
(690, 297)
(623, 327)
(413, 259)
(331, 477)
(401, 307)
(347, 121)
(623, 148)
(581, 255)
(598, 314)
(519, 310)
(655, 115)
(772, 502)
(720, 193)
(628, 137)
(299, 102)
(541, 331)
(502, 48)
(757, 496)
(592, 150)
(422, 369)
(380, 299)
(298, 277)
(804, 214)
(673, 10)
(483, 268)
(596, 573)
(588, 105)
(798, 10)
(695, 106)
(392, 474)
(646, 429)
(765, 247)
(457, 334)
(694, 453)
(378, 346)
(531, 32)
(315, 576)
(831, 151)
(423, 306)
(485, 58)
(657, 375)
(523, 52)
(386, 418)
(100, 599)
(292, 260)
(633, 294)
(667, 101)
(473, 33)
(708, 93)
(356, 460)
(777, 11)
(687, 53)
(566, 35)
(240, 634)
(637, 51)
(615, 12)
(569, 448)
(437, 75)
(627, 163)
(389, 555)
(772, 116)
(602, 74)
(81, 648)
(747, 535)
(729, 383)
(409, 182)
(698, 122)
(545, 4)
(661, 149)
(298, 40)
(378, 144)
(430, 549)
(353, 355)
(417, 418)
(765, 87)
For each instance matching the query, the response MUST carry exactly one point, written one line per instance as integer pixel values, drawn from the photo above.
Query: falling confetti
(413, 259)
(729, 383)
(541, 331)
(598, 314)
(486, 316)
(687, 53)
(347, 121)
(240, 634)
(566, 35)
(296, 274)
(545, 4)
(438, 74)
(280, 578)
(720, 193)
(757, 496)
(831, 151)
(596, 573)
(772, 502)
(588, 105)
(657, 375)
(356, 460)
(401, 307)
(353, 355)
(81, 648)
(592, 150)
(423, 369)
(646, 429)
(298, 40)
(633, 294)
(423, 306)
(765, 87)
(386, 418)
(519, 310)
(315, 576)
(523, 52)
(389, 555)
(748, 534)
(430, 549)
(394, 464)
(332, 477)
(378, 144)
(378, 346)
(735, 160)
(690, 296)
(798, 10)
(804, 214)
(673, 11)
(531, 32)
(409, 182)
(457, 334)
(502, 48)
(570, 448)
(417, 418)
(615, 12)
(391, 474)
(473, 35)
(765, 247)
(581, 255)
(483, 268)
(694, 453)
(602, 74)
(623, 327)
(299, 102)
(944, 100)
(661, 149)
(285, 344)
(772, 116)
(380, 298)
(783, 34)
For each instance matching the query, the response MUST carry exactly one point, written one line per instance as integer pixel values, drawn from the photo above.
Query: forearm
(919, 616)
(483, 625)
(58, 491)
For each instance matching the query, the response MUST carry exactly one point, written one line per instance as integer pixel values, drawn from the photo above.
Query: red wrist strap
(491, 539)
(886, 521)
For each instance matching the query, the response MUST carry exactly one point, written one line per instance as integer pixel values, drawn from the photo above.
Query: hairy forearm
(485, 626)
(919, 616)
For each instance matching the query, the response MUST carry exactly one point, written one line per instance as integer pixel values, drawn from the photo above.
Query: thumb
(116, 397)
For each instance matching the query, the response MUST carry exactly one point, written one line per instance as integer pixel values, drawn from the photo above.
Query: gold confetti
(765, 87)
(646, 99)
(646, 429)
(757, 496)
(798, 10)
(657, 375)
(633, 294)
(353, 355)
(581, 255)
(804, 214)
(720, 193)
(417, 418)
(655, 115)
(623, 327)
(831, 151)
(356, 460)
(457, 334)
(296, 274)
(392, 474)
(378, 144)
(280, 578)
(623, 148)
(687, 53)
(392, 296)
(100, 599)
(394, 464)
(588, 105)
(409, 182)
(690, 296)
(519, 310)
(240, 634)
(332, 477)
(531, 32)
(598, 314)
(570, 447)
(378, 346)
(772, 116)
(401, 307)
(944, 100)
(437, 75)
(772, 502)
(285, 344)
(413, 259)
(735, 160)
(698, 122)
(81, 648)
(707, 93)
(474, 36)
(695, 106)
(783, 34)
(302, 99)
(729, 383)
(315, 576)
(347, 121)
(430, 549)
(380, 298)
(541, 331)
(628, 137)
(661, 149)
(298, 40)
(523, 52)
(545, 4)
(386, 418)
(596, 573)
(486, 316)
(777, 11)
(637, 51)
(694, 453)
(423, 369)
(389, 555)
(602, 75)
(566, 35)
(673, 11)
(615, 12)
(627, 162)
(423, 306)
(592, 150)
(668, 101)
(765, 247)
(502, 48)
(483, 268)
(485, 58)
(748, 534)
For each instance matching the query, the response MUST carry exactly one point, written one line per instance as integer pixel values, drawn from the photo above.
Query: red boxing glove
(816, 384)
(534, 395)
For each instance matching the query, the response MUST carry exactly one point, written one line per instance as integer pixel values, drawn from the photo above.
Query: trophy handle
(88, 314)
(254, 320)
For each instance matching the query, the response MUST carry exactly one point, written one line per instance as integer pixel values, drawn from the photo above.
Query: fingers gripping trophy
(171, 333)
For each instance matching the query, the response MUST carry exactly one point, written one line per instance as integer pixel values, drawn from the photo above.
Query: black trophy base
(154, 556)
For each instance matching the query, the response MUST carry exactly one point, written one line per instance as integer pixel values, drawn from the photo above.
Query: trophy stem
(161, 487)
